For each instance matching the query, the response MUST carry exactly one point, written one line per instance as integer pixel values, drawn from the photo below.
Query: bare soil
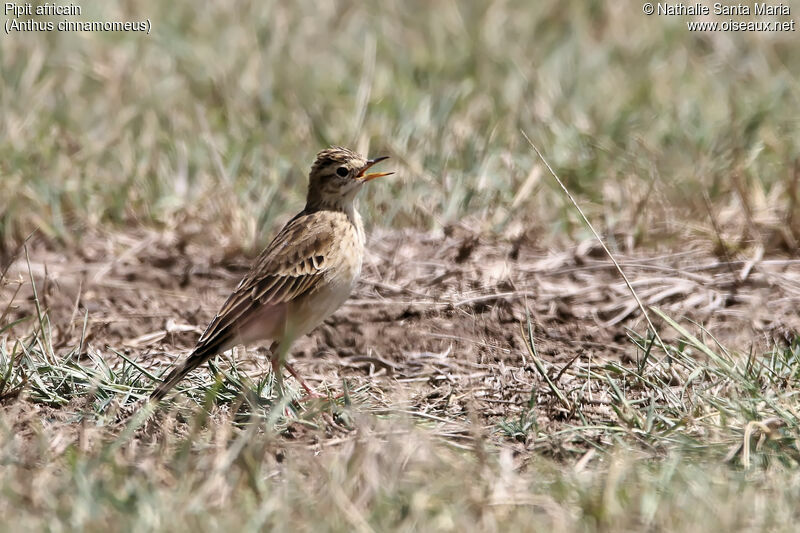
(435, 323)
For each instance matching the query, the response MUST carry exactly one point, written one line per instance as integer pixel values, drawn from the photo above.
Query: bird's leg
(276, 371)
(276, 367)
(277, 358)
(311, 393)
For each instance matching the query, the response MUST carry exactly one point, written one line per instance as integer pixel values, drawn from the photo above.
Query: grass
(700, 437)
(204, 130)
(224, 107)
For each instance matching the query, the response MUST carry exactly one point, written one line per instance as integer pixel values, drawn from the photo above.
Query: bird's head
(337, 175)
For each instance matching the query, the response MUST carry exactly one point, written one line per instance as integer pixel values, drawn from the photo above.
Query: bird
(301, 277)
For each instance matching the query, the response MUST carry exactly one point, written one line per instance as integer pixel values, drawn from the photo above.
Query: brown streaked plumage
(304, 274)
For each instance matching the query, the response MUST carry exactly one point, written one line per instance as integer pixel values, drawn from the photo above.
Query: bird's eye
(342, 171)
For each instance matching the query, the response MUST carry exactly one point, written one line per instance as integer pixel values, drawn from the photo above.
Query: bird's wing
(292, 265)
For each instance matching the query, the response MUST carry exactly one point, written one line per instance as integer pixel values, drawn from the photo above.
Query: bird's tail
(200, 355)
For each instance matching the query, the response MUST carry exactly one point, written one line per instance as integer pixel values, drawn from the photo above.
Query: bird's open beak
(369, 177)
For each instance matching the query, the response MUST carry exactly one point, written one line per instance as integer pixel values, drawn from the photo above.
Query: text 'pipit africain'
(302, 277)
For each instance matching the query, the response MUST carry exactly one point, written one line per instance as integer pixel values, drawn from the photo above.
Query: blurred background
(217, 114)
(496, 374)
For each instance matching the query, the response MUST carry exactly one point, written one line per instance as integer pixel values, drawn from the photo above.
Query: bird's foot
(310, 392)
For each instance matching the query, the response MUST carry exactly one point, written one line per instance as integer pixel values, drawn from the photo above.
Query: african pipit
(302, 277)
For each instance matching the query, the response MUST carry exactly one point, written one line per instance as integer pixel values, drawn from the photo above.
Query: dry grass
(573, 419)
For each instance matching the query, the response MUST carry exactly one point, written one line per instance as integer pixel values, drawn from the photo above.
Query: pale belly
(308, 312)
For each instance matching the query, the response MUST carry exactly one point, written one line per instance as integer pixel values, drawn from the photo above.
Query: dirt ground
(434, 323)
